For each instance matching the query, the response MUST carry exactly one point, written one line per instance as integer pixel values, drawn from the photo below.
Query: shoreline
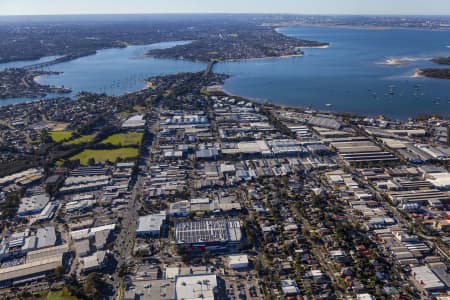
(260, 58)
(316, 47)
(356, 27)
(221, 88)
(417, 74)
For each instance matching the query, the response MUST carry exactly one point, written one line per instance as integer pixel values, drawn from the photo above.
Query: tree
(59, 272)
(94, 286)
(8, 208)
(123, 270)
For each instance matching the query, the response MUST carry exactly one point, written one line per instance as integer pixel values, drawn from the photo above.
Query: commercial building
(151, 225)
(96, 261)
(196, 287)
(90, 232)
(82, 247)
(440, 180)
(289, 288)
(238, 261)
(180, 208)
(208, 234)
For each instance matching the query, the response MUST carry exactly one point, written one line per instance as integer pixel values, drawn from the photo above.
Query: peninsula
(440, 73)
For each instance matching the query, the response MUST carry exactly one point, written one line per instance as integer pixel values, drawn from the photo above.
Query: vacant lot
(57, 126)
(105, 155)
(124, 139)
(59, 136)
(81, 140)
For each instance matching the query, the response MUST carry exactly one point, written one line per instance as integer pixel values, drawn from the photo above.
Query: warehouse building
(360, 150)
(430, 197)
(33, 205)
(37, 264)
(426, 281)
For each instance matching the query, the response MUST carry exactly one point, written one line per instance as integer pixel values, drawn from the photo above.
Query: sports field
(59, 136)
(101, 156)
(81, 140)
(124, 139)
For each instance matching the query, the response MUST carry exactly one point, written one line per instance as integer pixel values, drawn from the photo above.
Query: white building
(33, 205)
(238, 261)
(150, 225)
(426, 280)
(134, 122)
(440, 180)
(289, 287)
(196, 287)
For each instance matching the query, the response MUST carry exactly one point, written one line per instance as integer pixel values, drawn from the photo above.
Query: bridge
(58, 60)
(210, 67)
(42, 65)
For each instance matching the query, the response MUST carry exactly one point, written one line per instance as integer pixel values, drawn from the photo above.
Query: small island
(441, 60)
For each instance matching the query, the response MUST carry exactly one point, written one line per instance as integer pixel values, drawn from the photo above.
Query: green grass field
(124, 139)
(105, 155)
(60, 295)
(59, 136)
(81, 140)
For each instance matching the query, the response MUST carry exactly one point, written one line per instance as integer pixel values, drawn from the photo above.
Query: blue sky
(31, 7)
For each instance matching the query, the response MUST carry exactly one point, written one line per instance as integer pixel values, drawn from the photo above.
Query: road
(125, 240)
(318, 253)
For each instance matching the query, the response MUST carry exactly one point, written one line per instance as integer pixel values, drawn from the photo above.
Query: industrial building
(37, 264)
(430, 197)
(427, 281)
(33, 205)
(360, 150)
(20, 243)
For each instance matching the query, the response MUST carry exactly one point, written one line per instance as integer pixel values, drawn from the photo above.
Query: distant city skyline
(397, 7)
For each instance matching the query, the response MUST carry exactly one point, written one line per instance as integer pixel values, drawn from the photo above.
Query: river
(369, 72)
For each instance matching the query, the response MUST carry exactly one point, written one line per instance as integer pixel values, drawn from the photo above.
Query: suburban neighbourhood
(180, 191)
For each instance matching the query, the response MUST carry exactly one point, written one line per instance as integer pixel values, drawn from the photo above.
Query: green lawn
(81, 140)
(59, 136)
(105, 155)
(60, 295)
(124, 139)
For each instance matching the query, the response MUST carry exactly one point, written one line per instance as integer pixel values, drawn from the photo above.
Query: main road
(125, 240)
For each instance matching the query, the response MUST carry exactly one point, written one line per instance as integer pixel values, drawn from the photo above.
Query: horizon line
(221, 13)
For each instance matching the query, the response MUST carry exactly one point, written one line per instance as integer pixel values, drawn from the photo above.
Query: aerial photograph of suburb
(225, 150)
